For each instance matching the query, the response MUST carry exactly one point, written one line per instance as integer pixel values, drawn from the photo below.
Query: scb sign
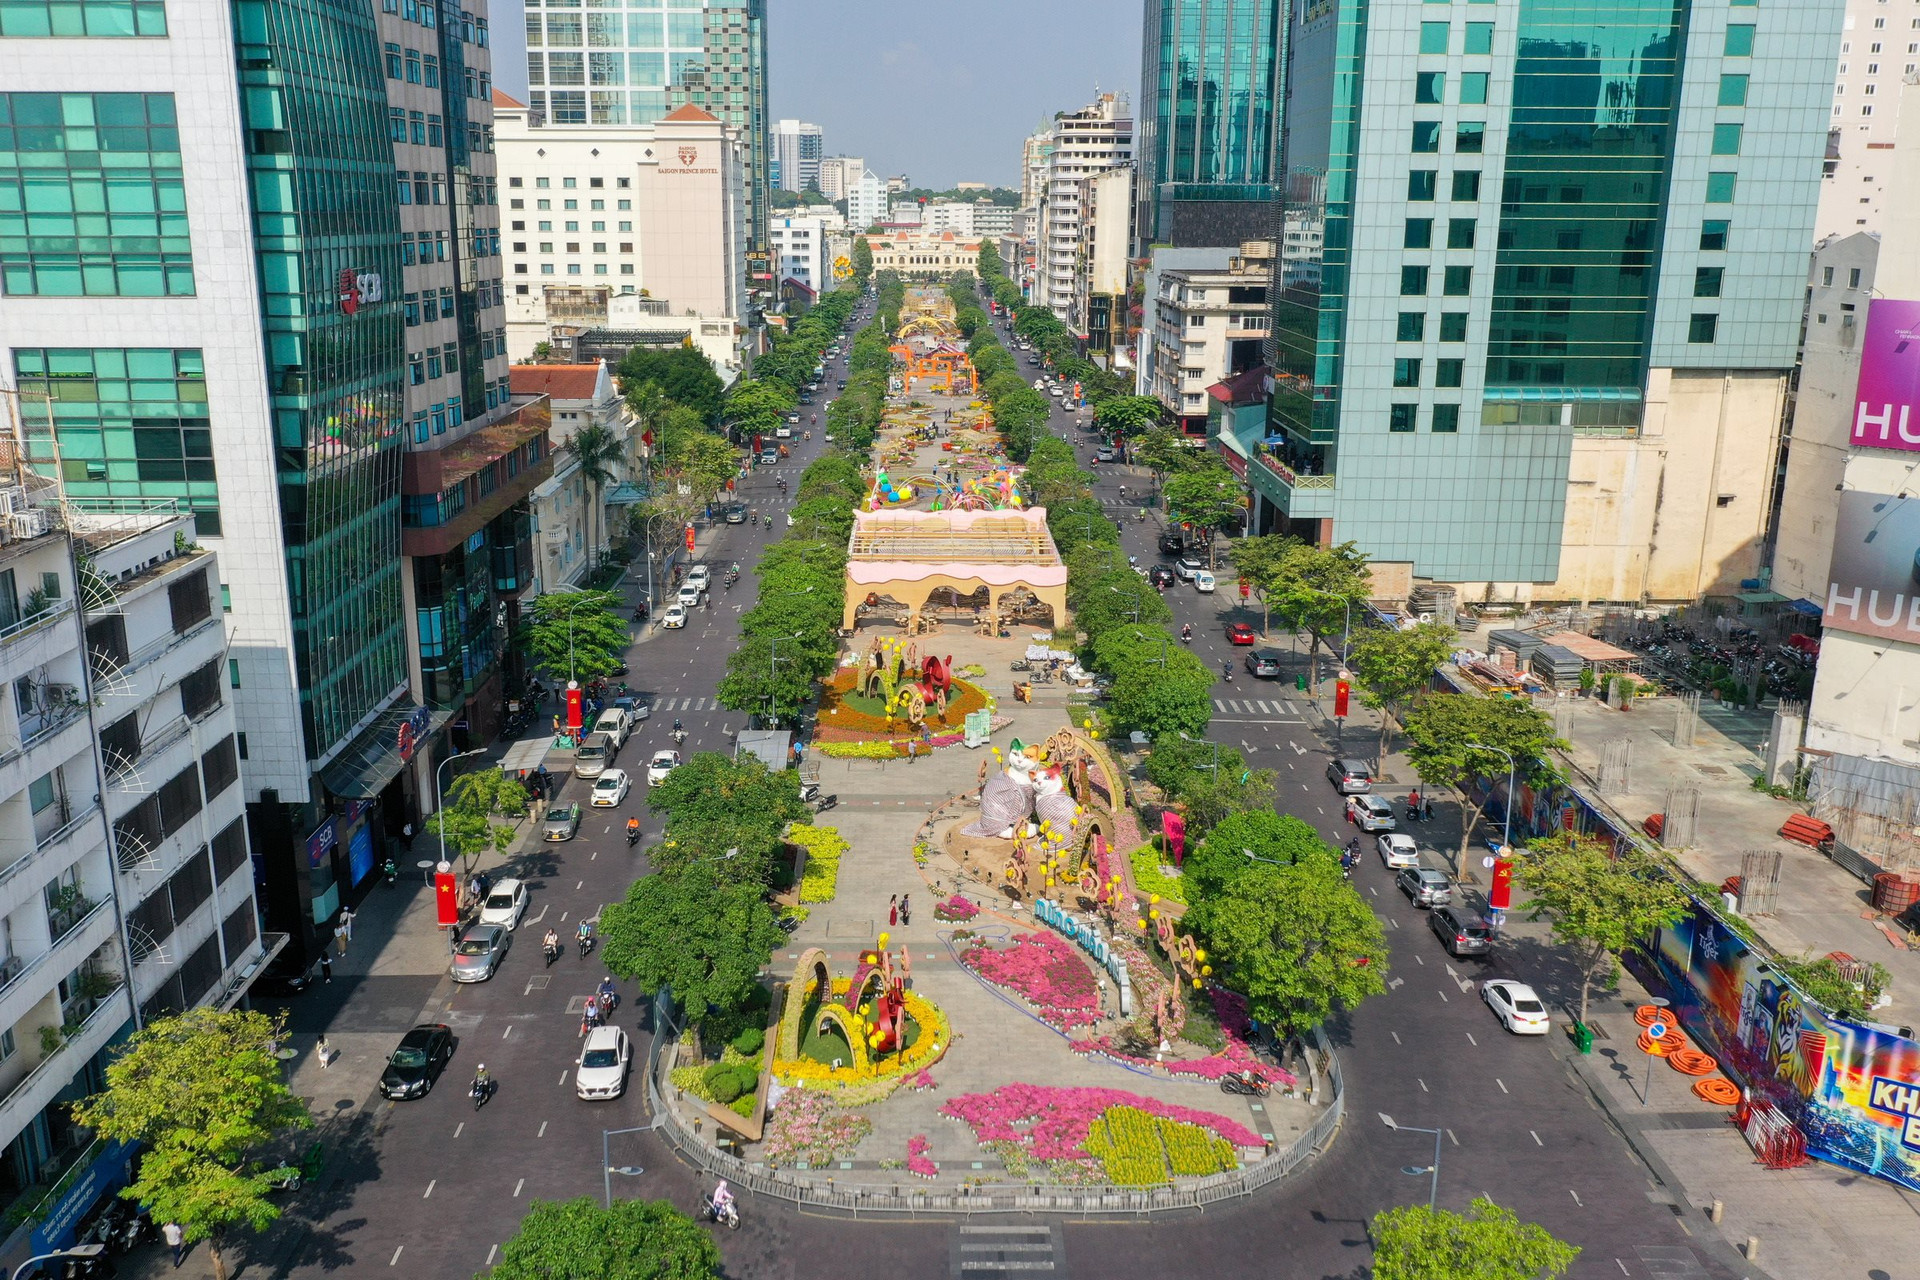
(105, 1174)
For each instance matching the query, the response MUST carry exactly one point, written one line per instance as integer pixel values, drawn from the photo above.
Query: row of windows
(573, 269)
(573, 246)
(99, 19)
(572, 225)
(1406, 417)
(412, 66)
(571, 206)
(432, 363)
(425, 12)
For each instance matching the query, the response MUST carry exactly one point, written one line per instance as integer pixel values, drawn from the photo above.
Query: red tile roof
(1241, 388)
(502, 100)
(560, 381)
(690, 112)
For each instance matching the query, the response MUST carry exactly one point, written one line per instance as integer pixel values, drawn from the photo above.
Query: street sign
(1655, 1030)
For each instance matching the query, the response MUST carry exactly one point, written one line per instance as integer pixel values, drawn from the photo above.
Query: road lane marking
(563, 914)
(543, 1130)
(1471, 1040)
(1395, 1035)
(563, 1078)
(1503, 1085)
(507, 1032)
(1450, 1138)
(596, 853)
(1375, 892)
(457, 1128)
(490, 1254)
(1443, 997)
(1576, 1196)
(395, 1259)
(1393, 922)
(430, 1185)
(1422, 963)
(1623, 1266)
(1536, 1139)
(1423, 1087)
(516, 1188)
(577, 885)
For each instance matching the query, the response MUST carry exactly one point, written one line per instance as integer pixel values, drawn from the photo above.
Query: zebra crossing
(1003, 1250)
(1277, 710)
(686, 704)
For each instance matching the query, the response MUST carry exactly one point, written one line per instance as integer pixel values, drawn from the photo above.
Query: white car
(1205, 582)
(506, 903)
(675, 616)
(662, 764)
(610, 789)
(602, 1069)
(828, 437)
(690, 593)
(1517, 1005)
(783, 432)
(699, 576)
(1370, 813)
(1397, 850)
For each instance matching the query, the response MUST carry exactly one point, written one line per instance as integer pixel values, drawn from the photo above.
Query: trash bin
(1300, 683)
(1583, 1037)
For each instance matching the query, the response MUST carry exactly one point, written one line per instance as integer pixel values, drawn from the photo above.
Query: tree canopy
(684, 375)
(1391, 666)
(702, 932)
(1487, 1242)
(204, 1094)
(633, 1240)
(1129, 416)
(1297, 941)
(1151, 696)
(1457, 739)
(576, 634)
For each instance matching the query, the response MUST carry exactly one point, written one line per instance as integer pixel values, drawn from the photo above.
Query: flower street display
(917, 1162)
(810, 1129)
(819, 878)
(920, 1081)
(955, 910)
(935, 1034)
(1046, 971)
(1048, 1123)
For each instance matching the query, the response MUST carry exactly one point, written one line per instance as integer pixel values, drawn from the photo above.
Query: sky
(942, 93)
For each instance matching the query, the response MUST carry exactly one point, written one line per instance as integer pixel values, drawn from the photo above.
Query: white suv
(1370, 813)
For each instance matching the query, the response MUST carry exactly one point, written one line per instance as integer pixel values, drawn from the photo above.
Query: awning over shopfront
(1807, 607)
(376, 756)
(625, 494)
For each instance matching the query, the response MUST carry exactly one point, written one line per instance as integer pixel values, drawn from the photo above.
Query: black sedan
(1160, 576)
(417, 1062)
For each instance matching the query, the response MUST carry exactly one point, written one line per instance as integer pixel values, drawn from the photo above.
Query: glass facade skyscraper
(634, 67)
(1208, 128)
(1511, 226)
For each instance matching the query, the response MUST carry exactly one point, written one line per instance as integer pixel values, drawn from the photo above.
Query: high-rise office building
(838, 174)
(286, 344)
(1546, 286)
(633, 68)
(1086, 143)
(1209, 141)
(797, 150)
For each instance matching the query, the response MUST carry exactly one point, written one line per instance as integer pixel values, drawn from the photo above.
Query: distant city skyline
(940, 100)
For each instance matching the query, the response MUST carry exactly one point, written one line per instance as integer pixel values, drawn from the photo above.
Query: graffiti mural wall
(1853, 1090)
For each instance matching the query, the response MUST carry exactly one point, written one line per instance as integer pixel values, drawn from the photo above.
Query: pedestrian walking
(346, 923)
(1426, 809)
(176, 1240)
(326, 967)
(324, 1052)
(906, 910)
(406, 837)
(893, 909)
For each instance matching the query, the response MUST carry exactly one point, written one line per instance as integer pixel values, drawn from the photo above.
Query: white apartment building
(990, 220)
(1879, 63)
(907, 213)
(866, 202)
(1100, 285)
(568, 532)
(1207, 318)
(797, 148)
(1086, 142)
(800, 252)
(948, 215)
(594, 211)
(838, 174)
(126, 890)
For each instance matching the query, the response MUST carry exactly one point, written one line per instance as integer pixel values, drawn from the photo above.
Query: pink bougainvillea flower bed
(917, 1162)
(1231, 1010)
(1046, 971)
(1052, 1124)
(920, 1080)
(955, 909)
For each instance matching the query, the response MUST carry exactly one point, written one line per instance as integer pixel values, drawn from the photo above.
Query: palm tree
(595, 448)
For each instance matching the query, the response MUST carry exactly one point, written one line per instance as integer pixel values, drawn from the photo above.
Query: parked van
(595, 754)
(616, 724)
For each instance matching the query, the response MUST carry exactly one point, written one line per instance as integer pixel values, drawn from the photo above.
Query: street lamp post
(1135, 611)
(1164, 643)
(1207, 742)
(439, 806)
(1506, 824)
(1413, 1170)
(773, 651)
(608, 1168)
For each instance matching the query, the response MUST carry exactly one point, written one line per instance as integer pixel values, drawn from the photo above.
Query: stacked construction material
(1558, 665)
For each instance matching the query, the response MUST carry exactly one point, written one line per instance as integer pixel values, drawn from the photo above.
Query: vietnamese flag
(446, 898)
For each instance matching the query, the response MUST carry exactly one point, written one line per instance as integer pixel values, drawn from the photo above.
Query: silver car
(1425, 886)
(478, 952)
(562, 823)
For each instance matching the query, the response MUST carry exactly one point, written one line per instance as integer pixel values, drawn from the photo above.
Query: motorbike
(586, 946)
(679, 736)
(1186, 635)
(825, 803)
(481, 1091)
(552, 952)
(640, 612)
(1226, 672)
(633, 836)
(729, 1215)
(1020, 664)
(284, 1177)
(1246, 1085)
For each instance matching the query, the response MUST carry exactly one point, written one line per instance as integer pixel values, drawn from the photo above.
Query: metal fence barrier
(832, 1195)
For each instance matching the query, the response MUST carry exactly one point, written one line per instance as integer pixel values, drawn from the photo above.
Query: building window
(1458, 282)
(1726, 139)
(1429, 87)
(1446, 418)
(1701, 327)
(1460, 233)
(1466, 184)
(1448, 372)
(1426, 136)
(1422, 182)
(1473, 89)
(1733, 91)
(1413, 282)
(1706, 281)
(98, 19)
(1453, 326)
(1419, 234)
(1720, 187)
(1826, 277)
(1739, 41)
(1406, 371)
(1400, 417)
(1714, 233)
(1479, 37)
(1470, 138)
(1433, 37)
(1412, 327)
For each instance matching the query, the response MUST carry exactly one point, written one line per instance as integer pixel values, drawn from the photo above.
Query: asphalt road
(435, 1187)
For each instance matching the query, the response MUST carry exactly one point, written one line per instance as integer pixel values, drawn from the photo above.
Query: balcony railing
(55, 610)
(1291, 478)
(21, 970)
(41, 725)
(109, 1006)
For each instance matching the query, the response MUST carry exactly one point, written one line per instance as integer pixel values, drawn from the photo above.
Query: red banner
(446, 898)
(1500, 896)
(1175, 828)
(1341, 691)
(689, 538)
(573, 709)
(1246, 588)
